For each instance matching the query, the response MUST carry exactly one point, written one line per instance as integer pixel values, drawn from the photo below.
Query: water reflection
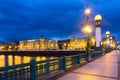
(9, 60)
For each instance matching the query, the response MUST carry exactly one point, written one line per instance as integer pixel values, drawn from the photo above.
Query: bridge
(43, 53)
(106, 67)
(57, 53)
(97, 66)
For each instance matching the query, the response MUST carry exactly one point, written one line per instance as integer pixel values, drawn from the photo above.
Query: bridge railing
(34, 70)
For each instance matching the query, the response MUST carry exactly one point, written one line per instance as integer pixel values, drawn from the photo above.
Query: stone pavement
(103, 68)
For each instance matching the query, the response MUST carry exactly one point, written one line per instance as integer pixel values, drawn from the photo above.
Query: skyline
(59, 19)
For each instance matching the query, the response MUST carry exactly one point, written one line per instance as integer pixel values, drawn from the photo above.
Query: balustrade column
(22, 58)
(13, 60)
(78, 59)
(6, 60)
(48, 65)
(64, 63)
(33, 69)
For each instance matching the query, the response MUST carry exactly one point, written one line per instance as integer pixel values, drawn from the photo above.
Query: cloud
(32, 18)
(29, 19)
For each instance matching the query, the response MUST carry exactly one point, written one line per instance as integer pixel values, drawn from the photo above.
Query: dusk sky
(54, 19)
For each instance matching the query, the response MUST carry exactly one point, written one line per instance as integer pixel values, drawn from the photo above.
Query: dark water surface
(9, 60)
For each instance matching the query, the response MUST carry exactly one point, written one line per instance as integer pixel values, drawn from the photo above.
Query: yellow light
(107, 32)
(51, 45)
(107, 42)
(111, 37)
(37, 45)
(65, 44)
(98, 18)
(87, 29)
(87, 11)
(10, 46)
(111, 45)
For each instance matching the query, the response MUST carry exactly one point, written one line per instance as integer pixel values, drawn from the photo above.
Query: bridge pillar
(78, 59)
(64, 63)
(103, 53)
(6, 60)
(13, 60)
(98, 19)
(89, 57)
(22, 59)
(33, 68)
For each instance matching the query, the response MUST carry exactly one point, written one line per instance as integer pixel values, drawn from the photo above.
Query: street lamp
(111, 41)
(108, 39)
(107, 34)
(98, 19)
(87, 29)
(87, 11)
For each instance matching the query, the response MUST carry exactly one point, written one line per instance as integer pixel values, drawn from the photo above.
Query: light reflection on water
(9, 60)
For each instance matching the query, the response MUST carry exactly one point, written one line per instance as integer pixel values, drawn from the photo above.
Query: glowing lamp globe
(87, 11)
(98, 18)
(111, 37)
(108, 32)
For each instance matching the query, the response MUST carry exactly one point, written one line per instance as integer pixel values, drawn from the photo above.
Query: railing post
(47, 66)
(33, 75)
(78, 59)
(6, 60)
(64, 63)
(0, 76)
(59, 64)
(103, 53)
(89, 57)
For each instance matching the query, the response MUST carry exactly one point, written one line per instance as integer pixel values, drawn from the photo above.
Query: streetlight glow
(107, 42)
(111, 38)
(87, 29)
(87, 11)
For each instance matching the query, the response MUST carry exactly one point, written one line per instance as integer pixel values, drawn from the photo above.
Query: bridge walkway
(106, 67)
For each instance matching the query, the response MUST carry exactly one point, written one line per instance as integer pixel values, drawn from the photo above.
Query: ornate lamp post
(107, 34)
(87, 29)
(107, 39)
(87, 13)
(97, 20)
(111, 42)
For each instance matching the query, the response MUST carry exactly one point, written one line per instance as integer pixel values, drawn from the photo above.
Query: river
(9, 60)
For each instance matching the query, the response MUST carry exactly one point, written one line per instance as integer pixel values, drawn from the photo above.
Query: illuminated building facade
(38, 44)
(2, 46)
(45, 44)
(9, 46)
(76, 43)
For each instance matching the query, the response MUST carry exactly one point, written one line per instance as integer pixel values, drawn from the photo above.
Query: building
(38, 44)
(2, 46)
(76, 43)
(45, 44)
(9, 46)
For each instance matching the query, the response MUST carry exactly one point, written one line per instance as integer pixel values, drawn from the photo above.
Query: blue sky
(54, 19)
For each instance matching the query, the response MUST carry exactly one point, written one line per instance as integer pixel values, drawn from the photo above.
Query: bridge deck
(104, 68)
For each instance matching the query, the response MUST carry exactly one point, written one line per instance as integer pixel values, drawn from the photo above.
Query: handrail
(44, 67)
(14, 66)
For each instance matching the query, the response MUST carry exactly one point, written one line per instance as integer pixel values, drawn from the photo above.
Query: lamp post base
(98, 48)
